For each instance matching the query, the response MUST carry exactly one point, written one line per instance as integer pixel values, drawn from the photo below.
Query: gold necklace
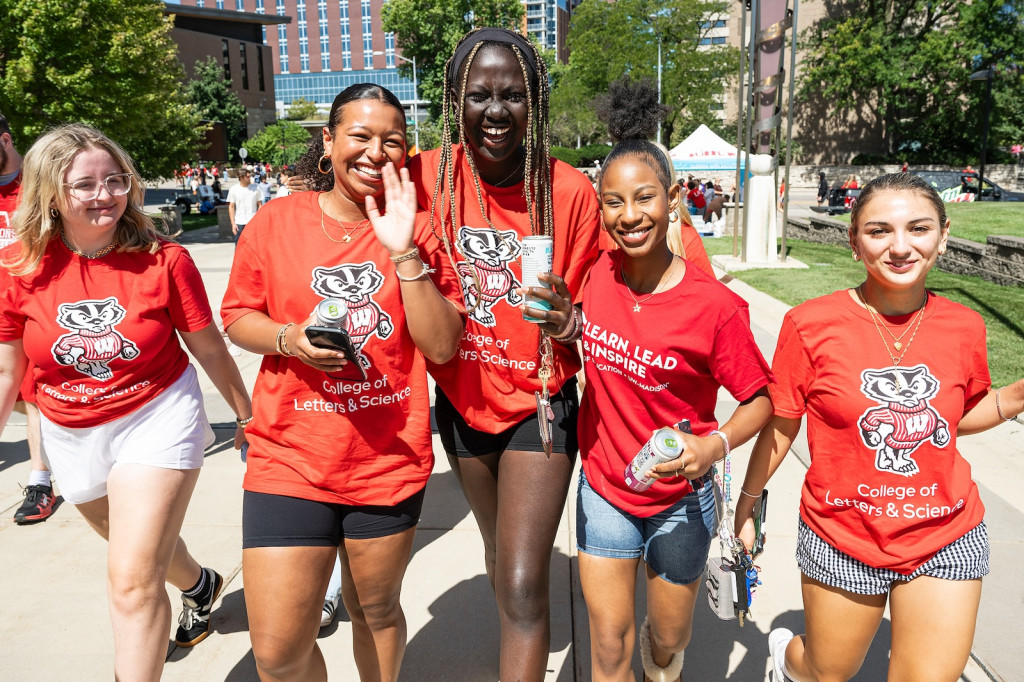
(509, 176)
(96, 254)
(350, 232)
(915, 323)
(657, 290)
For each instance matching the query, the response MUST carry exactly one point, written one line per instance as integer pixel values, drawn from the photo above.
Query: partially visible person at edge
(39, 501)
(331, 473)
(888, 374)
(822, 188)
(95, 300)
(683, 239)
(244, 199)
(506, 187)
(698, 333)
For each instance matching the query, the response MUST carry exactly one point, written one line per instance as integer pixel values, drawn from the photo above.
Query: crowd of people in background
(421, 258)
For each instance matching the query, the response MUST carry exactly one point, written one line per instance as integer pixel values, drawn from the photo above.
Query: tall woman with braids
(484, 196)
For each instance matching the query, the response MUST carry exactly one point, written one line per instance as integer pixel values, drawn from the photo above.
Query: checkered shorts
(966, 558)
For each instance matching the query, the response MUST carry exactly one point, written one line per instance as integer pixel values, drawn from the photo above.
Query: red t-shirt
(492, 379)
(314, 437)
(886, 484)
(9, 195)
(649, 369)
(100, 333)
(696, 197)
(693, 246)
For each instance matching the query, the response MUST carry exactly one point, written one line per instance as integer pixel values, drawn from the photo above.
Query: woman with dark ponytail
(660, 337)
(484, 195)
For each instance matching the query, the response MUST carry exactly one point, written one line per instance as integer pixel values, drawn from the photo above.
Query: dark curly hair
(631, 111)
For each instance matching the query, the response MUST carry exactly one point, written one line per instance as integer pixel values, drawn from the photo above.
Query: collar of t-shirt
(9, 178)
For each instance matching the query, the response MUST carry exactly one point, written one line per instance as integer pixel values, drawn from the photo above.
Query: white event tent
(705, 152)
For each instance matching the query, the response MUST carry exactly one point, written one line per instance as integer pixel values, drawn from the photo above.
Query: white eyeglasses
(88, 189)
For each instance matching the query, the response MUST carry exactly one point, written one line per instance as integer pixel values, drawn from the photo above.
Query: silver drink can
(332, 312)
(537, 257)
(663, 446)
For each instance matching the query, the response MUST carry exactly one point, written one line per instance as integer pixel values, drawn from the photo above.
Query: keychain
(545, 415)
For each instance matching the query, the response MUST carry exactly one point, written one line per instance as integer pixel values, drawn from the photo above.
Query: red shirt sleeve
(792, 372)
(693, 246)
(247, 291)
(188, 306)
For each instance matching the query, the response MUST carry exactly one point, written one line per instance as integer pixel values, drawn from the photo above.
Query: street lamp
(415, 97)
(984, 75)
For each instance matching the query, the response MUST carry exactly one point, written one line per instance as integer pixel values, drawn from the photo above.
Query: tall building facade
(548, 22)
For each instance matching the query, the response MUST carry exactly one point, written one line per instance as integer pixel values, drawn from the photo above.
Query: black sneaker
(38, 505)
(194, 621)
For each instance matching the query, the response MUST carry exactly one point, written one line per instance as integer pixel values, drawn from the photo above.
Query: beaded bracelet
(408, 255)
(999, 409)
(573, 331)
(425, 271)
(281, 344)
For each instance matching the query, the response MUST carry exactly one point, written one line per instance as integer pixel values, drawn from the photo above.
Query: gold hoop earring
(856, 256)
(320, 164)
(54, 214)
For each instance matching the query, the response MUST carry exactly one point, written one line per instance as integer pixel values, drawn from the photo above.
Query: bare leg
(481, 491)
(371, 585)
(141, 518)
(827, 652)
(933, 623)
(608, 587)
(32, 434)
(284, 594)
(670, 615)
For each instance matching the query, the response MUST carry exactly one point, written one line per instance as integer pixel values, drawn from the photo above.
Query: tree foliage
(609, 39)
(429, 30)
(281, 143)
(302, 109)
(214, 100)
(109, 63)
(908, 62)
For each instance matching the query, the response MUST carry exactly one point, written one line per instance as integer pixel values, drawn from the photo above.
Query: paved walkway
(56, 623)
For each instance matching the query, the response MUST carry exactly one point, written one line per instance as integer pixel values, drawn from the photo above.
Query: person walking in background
(331, 473)
(244, 199)
(699, 333)
(850, 182)
(95, 300)
(485, 196)
(39, 501)
(263, 186)
(889, 375)
(822, 188)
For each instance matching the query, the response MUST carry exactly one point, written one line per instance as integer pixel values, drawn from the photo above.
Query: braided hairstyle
(537, 184)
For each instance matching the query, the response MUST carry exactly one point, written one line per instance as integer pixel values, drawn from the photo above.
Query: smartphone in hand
(333, 338)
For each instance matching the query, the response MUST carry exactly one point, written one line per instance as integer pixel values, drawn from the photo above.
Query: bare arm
(771, 448)
(984, 415)
(12, 370)
(434, 323)
(257, 333)
(207, 347)
(702, 452)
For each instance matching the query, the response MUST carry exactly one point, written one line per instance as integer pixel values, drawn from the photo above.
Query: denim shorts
(674, 543)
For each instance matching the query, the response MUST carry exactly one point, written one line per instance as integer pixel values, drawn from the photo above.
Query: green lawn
(975, 221)
(831, 268)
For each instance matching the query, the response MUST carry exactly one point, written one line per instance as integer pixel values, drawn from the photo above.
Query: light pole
(415, 97)
(984, 75)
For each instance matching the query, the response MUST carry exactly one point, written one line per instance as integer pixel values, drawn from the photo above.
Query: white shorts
(170, 432)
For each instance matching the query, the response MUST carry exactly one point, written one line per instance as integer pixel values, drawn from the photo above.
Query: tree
(609, 39)
(214, 100)
(572, 119)
(281, 143)
(108, 63)
(428, 30)
(904, 66)
(302, 109)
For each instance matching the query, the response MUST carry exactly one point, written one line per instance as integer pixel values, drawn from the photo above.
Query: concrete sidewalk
(53, 575)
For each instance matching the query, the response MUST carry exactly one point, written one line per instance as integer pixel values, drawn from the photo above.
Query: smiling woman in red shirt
(888, 375)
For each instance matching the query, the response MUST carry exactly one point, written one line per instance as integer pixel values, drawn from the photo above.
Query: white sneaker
(234, 350)
(778, 640)
(330, 608)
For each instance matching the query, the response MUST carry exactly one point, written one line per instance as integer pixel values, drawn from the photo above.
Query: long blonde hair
(42, 187)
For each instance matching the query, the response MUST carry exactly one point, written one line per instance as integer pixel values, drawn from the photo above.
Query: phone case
(333, 338)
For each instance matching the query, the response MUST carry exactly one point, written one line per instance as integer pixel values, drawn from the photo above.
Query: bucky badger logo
(904, 420)
(485, 276)
(354, 283)
(93, 341)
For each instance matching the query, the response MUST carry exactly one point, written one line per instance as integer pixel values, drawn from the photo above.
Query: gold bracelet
(408, 255)
(281, 345)
(242, 422)
(999, 409)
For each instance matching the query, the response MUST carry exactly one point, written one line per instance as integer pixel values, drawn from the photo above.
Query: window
(346, 37)
(244, 65)
(260, 10)
(389, 50)
(259, 68)
(240, 5)
(367, 35)
(300, 12)
(227, 60)
(220, 4)
(325, 41)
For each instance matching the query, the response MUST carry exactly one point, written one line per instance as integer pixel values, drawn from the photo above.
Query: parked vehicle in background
(842, 199)
(963, 186)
